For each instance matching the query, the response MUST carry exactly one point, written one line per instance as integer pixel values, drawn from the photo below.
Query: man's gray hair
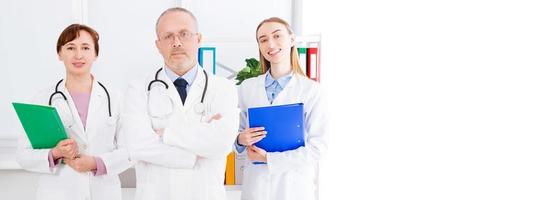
(176, 9)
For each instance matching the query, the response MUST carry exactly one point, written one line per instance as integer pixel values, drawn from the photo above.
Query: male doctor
(180, 120)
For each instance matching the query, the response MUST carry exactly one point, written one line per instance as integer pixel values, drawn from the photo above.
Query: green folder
(42, 124)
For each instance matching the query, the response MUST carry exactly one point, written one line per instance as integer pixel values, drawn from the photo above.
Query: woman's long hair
(294, 57)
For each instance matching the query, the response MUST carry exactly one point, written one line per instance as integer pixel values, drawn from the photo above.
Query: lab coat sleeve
(315, 144)
(238, 149)
(117, 160)
(215, 139)
(143, 143)
(35, 160)
(242, 126)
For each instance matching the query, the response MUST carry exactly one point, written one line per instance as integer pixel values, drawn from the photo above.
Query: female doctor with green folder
(93, 155)
(289, 174)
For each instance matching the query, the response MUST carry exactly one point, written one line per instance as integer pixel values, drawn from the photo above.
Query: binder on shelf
(240, 164)
(283, 125)
(313, 68)
(230, 169)
(207, 59)
(42, 124)
(302, 52)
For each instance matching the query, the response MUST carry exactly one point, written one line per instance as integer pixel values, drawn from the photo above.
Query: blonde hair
(294, 57)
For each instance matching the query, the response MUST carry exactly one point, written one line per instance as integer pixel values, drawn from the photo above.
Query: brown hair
(294, 57)
(72, 31)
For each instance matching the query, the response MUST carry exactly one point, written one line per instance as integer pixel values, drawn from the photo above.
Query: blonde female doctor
(290, 174)
(92, 156)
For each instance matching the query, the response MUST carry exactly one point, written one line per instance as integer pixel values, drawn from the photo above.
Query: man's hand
(214, 117)
(159, 132)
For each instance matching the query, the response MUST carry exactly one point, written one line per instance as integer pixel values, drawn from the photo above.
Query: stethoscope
(199, 107)
(56, 91)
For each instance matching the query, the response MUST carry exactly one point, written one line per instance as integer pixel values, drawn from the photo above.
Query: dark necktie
(181, 84)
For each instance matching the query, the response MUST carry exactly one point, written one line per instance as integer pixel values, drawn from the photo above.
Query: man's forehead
(176, 20)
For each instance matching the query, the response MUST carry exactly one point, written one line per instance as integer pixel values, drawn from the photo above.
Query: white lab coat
(101, 138)
(189, 160)
(288, 175)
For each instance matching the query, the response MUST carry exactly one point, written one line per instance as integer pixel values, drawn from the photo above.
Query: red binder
(313, 64)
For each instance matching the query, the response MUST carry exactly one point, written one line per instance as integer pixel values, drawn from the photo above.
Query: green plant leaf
(252, 69)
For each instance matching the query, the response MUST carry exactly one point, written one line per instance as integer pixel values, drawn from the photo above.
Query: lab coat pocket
(256, 183)
(111, 125)
(109, 185)
(111, 121)
(51, 194)
(301, 184)
(109, 181)
(108, 125)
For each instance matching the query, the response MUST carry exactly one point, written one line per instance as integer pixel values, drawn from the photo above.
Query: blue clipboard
(283, 124)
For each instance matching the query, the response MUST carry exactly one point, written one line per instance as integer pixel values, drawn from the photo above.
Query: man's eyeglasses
(183, 36)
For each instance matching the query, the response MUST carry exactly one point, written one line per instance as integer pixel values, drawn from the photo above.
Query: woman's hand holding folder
(82, 163)
(256, 154)
(250, 136)
(65, 149)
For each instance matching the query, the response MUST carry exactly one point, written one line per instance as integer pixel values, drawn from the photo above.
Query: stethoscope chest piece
(199, 108)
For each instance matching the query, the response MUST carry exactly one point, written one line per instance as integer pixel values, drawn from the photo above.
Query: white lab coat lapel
(172, 91)
(283, 97)
(97, 107)
(196, 90)
(287, 94)
(194, 94)
(261, 96)
(77, 127)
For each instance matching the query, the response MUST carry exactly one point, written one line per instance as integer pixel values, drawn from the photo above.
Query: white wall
(127, 36)
(439, 100)
(28, 52)
(231, 26)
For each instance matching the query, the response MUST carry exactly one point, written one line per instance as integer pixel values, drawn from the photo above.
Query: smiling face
(178, 40)
(275, 42)
(79, 54)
